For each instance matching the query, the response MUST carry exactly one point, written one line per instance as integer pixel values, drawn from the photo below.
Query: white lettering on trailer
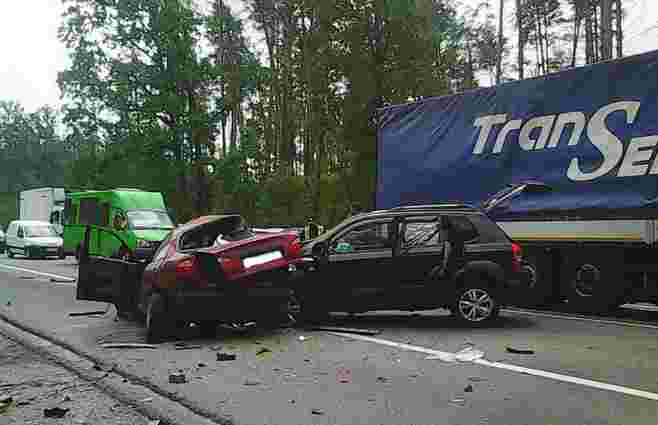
(546, 131)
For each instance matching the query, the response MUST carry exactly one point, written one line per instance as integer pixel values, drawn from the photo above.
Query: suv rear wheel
(476, 304)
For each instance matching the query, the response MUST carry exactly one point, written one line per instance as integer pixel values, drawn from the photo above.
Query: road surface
(586, 371)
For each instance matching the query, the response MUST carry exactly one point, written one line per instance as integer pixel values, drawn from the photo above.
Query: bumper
(230, 305)
(42, 251)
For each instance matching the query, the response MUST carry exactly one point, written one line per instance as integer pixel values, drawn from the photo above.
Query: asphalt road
(582, 371)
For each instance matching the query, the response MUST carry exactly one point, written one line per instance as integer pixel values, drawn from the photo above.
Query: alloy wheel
(476, 305)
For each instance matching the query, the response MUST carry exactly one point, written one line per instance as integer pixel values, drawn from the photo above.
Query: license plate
(261, 259)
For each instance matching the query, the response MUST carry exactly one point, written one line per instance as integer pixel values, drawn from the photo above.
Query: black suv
(411, 258)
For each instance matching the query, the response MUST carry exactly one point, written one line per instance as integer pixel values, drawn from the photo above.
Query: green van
(140, 218)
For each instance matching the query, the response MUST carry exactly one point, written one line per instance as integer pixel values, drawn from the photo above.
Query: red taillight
(230, 265)
(294, 249)
(186, 267)
(517, 257)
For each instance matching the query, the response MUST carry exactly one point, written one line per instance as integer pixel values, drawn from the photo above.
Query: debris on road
(225, 357)
(467, 354)
(252, 382)
(177, 378)
(54, 280)
(128, 345)
(201, 365)
(519, 351)
(67, 398)
(147, 400)
(317, 412)
(55, 412)
(303, 338)
(155, 422)
(87, 313)
(344, 376)
(477, 379)
(26, 277)
(184, 346)
(345, 330)
(468, 389)
(263, 351)
(5, 404)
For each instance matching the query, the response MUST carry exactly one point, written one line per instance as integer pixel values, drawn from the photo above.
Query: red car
(213, 269)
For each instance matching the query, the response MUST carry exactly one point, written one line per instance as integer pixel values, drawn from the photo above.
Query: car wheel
(78, 249)
(61, 255)
(10, 254)
(476, 304)
(158, 326)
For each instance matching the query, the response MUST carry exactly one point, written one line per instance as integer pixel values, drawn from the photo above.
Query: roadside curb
(113, 379)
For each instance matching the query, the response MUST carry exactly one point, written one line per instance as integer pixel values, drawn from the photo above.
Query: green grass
(8, 208)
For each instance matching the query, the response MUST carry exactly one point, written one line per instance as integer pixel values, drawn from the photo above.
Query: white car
(33, 239)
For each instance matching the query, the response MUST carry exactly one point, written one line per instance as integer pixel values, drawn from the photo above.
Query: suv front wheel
(476, 304)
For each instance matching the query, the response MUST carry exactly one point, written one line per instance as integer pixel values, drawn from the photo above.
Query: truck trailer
(565, 163)
(43, 204)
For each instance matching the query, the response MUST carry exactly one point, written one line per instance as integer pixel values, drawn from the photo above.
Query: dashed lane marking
(513, 368)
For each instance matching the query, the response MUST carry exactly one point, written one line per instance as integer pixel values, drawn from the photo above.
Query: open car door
(111, 280)
(511, 191)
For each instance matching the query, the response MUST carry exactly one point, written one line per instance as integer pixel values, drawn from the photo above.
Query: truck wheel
(78, 249)
(158, 325)
(538, 285)
(594, 284)
(476, 304)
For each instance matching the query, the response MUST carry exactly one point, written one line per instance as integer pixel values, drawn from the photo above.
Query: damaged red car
(211, 270)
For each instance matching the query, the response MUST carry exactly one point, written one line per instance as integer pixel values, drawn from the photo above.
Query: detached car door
(111, 280)
(357, 272)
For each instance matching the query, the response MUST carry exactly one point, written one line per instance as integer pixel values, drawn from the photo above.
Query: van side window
(89, 211)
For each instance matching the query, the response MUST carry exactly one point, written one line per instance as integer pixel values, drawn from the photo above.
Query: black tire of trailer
(540, 288)
(593, 281)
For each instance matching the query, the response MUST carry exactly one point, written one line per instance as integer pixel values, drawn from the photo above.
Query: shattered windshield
(149, 219)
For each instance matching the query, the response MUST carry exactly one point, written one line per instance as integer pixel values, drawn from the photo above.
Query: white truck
(43, 204)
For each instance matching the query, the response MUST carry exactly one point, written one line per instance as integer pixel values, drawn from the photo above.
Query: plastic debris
(183, 346)
(467, 354)
(317, 412)
(252, 382)
(5, 404)
(225, 357)
(346, 330)
(201, 365)
(177, 378)
(155, 422)
(344, 376)
(128, 345)
(477, 379)
(382, 379)
(303, 338)
(146, 400)
(67, 398)
(263, 351)
(55, 412)
(468, 389)
(519, 351)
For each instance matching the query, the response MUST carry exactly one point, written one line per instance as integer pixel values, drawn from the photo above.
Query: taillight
(230, 265)
(186, 267)
(294, 249)
(517, 257)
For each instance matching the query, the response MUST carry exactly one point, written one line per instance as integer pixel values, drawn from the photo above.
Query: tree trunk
(606, 29)
(499, 59)
(620, 35)
(589, 39)
(521, 39)
(576, 36)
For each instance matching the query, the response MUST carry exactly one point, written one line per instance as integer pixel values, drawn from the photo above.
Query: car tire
(61, 255)
(10, 254)
(158, 325)
(476, 304)
(78, 249)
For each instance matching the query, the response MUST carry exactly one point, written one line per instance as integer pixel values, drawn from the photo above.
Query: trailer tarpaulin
(589, 133)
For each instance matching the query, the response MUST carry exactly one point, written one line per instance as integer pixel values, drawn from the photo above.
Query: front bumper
(235, 305)
(43, 251)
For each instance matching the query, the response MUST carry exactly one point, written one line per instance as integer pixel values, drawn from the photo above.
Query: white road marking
(520, 369)
(66, 280)
(641, 307)
(581, 318)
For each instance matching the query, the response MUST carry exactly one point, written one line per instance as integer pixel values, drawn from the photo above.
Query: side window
(463, 227)
(89, 212)
(421, 233)
(367, 236)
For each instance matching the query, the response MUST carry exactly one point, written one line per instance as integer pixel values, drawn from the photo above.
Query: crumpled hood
(45, 241)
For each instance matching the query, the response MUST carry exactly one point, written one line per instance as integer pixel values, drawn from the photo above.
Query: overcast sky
(31, 55)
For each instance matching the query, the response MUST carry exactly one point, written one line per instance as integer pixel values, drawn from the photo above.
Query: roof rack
(454, 205)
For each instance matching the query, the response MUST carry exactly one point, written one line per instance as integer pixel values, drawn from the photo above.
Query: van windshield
(40, 231)
(149, 219)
